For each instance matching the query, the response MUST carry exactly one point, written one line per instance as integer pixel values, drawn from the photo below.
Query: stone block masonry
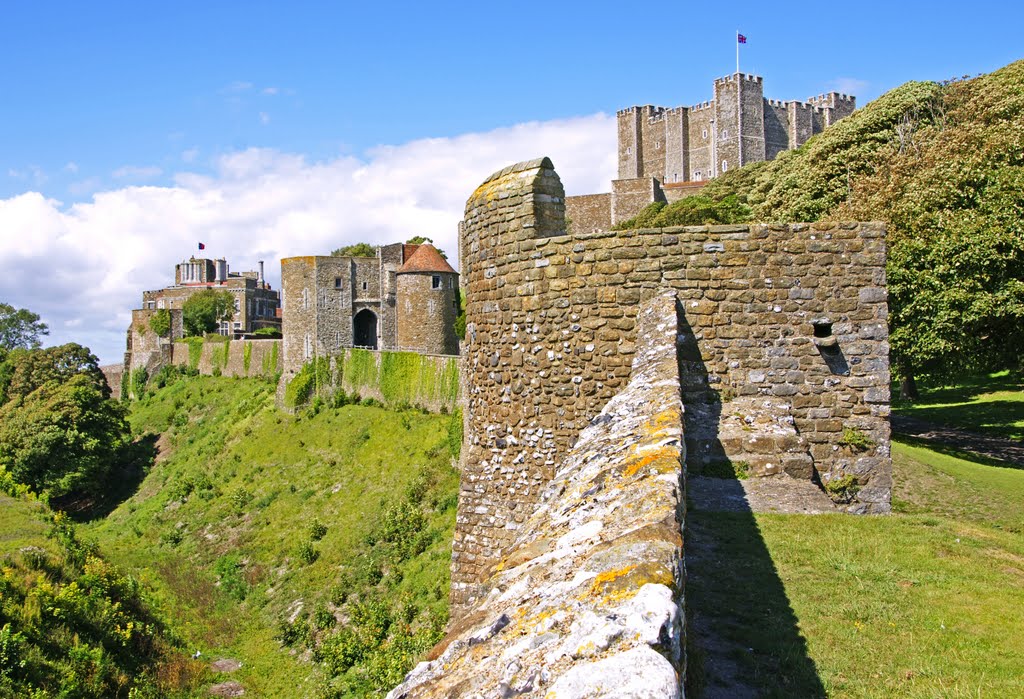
(783, 351)
(588, 599)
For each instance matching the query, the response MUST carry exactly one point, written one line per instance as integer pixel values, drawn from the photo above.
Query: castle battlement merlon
(747, 77)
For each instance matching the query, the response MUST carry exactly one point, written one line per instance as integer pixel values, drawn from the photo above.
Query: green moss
(246, 357)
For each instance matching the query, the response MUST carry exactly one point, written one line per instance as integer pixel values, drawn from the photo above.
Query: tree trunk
(908, 387)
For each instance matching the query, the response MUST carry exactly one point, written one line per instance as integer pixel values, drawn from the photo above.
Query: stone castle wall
(229, 358)
(587, 600)
(785, 322)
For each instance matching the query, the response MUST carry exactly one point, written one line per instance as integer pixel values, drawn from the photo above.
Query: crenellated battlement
(746, 77)
(738, 106)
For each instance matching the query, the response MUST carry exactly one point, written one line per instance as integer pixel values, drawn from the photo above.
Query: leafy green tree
(160, 322)
(59, 430)
(419, 240)
(20, 327)
(356, 250)
(30, 369)
(943, 166)
(204, 310)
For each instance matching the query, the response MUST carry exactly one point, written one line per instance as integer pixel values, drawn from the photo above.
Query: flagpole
(737, 51)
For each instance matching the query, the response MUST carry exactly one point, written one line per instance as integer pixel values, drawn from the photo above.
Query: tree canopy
(942, 164)
(204, 310)
(356, 250)
(59, 430)
(20, 327)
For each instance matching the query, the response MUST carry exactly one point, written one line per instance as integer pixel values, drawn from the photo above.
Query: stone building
(256, 303)
(256, 306)
(404, 298)
(667, 153)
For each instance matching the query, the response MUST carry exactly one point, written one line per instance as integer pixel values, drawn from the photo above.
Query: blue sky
(132, 129)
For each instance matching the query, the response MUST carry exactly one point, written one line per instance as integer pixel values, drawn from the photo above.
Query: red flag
(740, 38)
(202, 246)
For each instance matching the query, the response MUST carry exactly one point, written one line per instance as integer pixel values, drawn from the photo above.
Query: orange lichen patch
(664, 459)
(631, 578)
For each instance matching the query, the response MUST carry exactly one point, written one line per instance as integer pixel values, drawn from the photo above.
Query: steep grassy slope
(71, 624)
(282, 541)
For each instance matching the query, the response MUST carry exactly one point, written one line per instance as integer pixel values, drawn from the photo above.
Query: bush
(160, 322)
(317, 530)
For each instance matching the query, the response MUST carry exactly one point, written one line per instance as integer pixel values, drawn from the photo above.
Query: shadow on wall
(742, 634)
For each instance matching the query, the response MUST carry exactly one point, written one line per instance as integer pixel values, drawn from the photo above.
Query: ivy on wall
(399, 378)
(246, 357)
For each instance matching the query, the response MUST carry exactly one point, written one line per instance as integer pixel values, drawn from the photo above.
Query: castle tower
(739, 122)
(427, 298)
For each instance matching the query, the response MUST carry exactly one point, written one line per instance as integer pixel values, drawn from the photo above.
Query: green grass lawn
(991, 404)
(927, 602)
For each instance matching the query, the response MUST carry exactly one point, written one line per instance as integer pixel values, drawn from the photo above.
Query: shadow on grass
(123, 482)
(1000, 418)
(743, 638)
(955, 452)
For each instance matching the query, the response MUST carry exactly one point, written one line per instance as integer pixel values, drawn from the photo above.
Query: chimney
(261, 272)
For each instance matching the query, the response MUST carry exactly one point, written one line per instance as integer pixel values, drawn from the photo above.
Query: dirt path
(1008, 450)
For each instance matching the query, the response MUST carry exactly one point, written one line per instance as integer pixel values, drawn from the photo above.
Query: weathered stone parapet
(587, 601)
(784, 354)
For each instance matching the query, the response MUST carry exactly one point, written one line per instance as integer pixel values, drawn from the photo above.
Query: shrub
(160, 322)
(842, 489)
(855, 439)
(317, 530)
(307, 553)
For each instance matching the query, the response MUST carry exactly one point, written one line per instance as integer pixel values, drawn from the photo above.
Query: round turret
(427, 301)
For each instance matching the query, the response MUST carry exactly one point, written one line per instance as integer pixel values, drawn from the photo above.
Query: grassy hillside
(73, 625)
(991, 404)
(314, 549)
(928, 602)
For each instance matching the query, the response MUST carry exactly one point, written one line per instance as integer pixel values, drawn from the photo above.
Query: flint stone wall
(587, 601)
(551, 336)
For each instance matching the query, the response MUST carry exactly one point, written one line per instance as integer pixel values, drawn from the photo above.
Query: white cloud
(237, 87)
(850, 86)
(33, 173)
(264, 118)
(83, 267)
(138, 174)
(270, 91)
(71, 167)
(189, 155)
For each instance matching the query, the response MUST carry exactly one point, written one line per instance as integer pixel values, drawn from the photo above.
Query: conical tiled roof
(426, 259)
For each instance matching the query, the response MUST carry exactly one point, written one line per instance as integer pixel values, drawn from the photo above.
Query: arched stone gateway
(364, 329)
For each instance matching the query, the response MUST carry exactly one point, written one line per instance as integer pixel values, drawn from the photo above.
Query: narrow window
(725, 165)
(629, 150)
(435, 282)
(725, 133)
(337, 282)
(704, 133)
(657, 145)
(365, 286)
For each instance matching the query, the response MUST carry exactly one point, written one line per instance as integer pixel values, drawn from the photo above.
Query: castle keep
(666, 153)
(404, 298)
